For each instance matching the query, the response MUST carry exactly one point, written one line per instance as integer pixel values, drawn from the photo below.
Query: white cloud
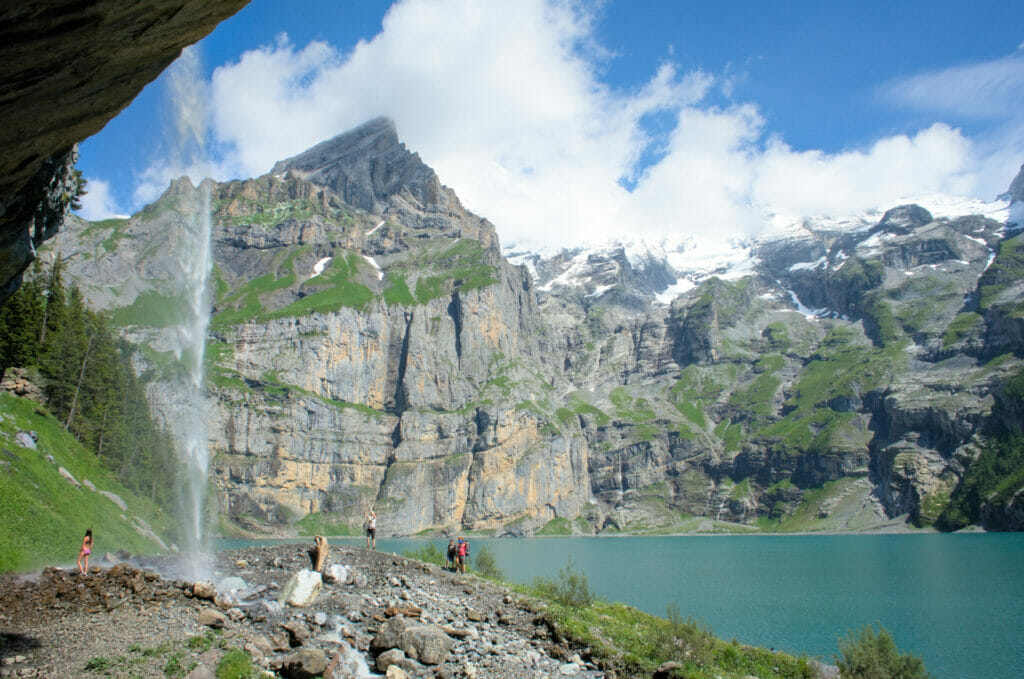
(98, 202)
(811, 182)
(505, 101)
(991, 89)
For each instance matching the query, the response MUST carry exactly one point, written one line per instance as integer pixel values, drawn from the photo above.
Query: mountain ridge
(827, 382)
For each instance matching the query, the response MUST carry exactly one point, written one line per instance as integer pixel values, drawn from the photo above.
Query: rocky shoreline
(379, 614)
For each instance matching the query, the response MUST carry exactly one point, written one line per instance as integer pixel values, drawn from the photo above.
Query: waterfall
(188, 101)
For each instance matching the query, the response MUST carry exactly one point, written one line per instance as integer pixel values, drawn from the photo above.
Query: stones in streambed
(304, 664)
(302, 589)
(397, 657)
(424, 642)
(298, 633)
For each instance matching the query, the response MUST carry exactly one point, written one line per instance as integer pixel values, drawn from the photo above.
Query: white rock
(67, 475)
(569, 669)
(115, 499)
(336, 573)
(302, 589)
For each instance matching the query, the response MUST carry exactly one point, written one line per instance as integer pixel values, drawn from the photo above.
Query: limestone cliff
(370, 345)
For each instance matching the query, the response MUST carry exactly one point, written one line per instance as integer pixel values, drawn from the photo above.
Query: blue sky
(564, 121)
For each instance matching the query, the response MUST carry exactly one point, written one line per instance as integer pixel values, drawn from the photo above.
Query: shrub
(685, 638)
(486, 565)
(428, 553)
(868, 654)
(571, 589)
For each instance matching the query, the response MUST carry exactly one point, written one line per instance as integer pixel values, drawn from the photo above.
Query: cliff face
(371, 345)
(66, 68)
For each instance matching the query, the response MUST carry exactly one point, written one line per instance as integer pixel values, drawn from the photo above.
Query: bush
(685, 638)
(571, 589)
(486, 565)
(428, 553)
(868, 654)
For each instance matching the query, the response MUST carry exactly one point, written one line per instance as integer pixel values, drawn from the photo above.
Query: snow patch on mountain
(373, 263)
(692, 259)
(318, 268)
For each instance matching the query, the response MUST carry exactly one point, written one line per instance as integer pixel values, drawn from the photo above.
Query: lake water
(955, 600)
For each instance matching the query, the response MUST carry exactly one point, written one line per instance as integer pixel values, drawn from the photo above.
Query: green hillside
(45, 515)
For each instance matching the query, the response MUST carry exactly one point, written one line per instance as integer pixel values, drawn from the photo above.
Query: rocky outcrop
(67, 68)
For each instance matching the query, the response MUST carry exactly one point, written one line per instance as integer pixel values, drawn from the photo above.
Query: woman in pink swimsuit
(86, 550)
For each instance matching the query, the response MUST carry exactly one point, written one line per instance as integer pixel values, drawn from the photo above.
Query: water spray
(187, 95)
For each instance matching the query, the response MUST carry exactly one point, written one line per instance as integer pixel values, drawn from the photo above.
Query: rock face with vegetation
(371, 346)
(67, 68)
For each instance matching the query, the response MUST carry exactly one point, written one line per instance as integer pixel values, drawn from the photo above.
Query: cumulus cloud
(98, 202)
(506, 102)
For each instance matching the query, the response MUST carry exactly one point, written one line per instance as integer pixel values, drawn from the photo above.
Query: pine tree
(20, 318)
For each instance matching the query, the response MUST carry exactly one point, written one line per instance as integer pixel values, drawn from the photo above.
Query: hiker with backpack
(462, 554)
(449, 564)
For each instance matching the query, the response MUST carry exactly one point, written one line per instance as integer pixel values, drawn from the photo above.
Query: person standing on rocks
(450, 561)
(463, 551)
(371, 529)
(83, 554)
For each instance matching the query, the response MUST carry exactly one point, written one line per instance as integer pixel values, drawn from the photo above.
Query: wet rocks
(305, 664)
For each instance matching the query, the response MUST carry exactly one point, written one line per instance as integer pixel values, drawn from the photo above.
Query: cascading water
(194, 254)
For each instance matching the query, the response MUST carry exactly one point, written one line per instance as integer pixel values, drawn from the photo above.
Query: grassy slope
(44, 515)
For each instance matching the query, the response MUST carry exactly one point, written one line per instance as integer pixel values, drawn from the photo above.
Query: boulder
(211, 617)
(25, 440)
(389, 658)
(425, 643)
(204, 590)
(336, 574)
(297, 632)
(302, 589)
(389, 635)
(304, 664)
(396, 672)
(665, 670)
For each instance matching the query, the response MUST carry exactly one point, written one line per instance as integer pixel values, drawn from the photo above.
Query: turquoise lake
(955, 600)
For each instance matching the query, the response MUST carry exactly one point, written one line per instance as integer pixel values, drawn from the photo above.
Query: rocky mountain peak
(903, 219)
(1016, 191)
(368, 166)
